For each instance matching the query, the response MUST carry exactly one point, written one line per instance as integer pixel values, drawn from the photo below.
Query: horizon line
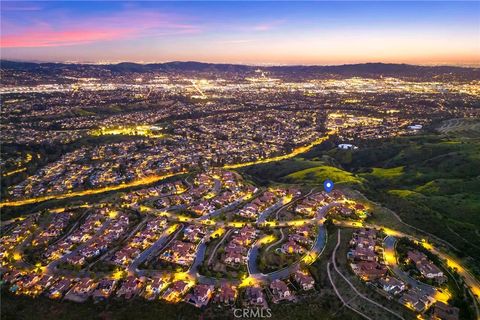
(265, 64)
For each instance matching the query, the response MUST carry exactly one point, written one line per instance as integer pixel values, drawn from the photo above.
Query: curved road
(389, 244)
(470, 280)
(352, 286)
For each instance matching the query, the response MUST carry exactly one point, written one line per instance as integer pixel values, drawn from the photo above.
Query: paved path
(262, 217)
(225, 236)
(470, 280)
(399, 219)
(217, 186)
(334, 262)
(199, 257)
(282, 232)
(318, 246)
(109, 252)
(252, 259)
(341, 298)
(389, 244)
(316, 250)
(319, 216)
(72, 228)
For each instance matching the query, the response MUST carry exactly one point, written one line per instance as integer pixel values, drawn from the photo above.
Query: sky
(279, 33)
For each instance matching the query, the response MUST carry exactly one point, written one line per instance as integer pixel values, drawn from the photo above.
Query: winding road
(389, 244)
(315, 250)
(352, 286)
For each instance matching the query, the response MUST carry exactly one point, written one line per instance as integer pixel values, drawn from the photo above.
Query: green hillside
(432, 181)
(317, 175)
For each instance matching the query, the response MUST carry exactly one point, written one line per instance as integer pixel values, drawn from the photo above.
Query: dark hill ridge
(127, 66)
(363, 70)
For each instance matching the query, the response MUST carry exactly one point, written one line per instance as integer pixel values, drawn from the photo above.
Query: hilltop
(373, 70)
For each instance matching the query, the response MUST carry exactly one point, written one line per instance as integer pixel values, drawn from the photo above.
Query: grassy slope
(317, 175)
(389, 173)
(432, 181)
(439, 190)
(436, 189)
(273, 172)
(300, 171)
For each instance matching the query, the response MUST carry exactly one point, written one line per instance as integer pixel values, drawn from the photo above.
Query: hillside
(373, 70)
(432, 181)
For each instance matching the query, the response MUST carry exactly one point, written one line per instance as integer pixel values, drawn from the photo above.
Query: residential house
(442, 311)
(130, 288)
(392, 285)
(369, 270)
(291, 247)
(254, 296)
(280, 291)
(57, 290)
(226, 294)
(104, 289)
(425, 266)
(304, 279)
(201, 295)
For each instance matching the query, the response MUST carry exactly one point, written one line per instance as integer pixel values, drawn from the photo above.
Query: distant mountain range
(362, 70)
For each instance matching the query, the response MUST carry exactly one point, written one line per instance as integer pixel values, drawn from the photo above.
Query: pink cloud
(50, 38)
(115, 27)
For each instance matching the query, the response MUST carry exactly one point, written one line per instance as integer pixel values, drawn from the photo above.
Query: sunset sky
(242, 32)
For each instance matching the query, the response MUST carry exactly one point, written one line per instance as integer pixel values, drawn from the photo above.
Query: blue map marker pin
(328, 185)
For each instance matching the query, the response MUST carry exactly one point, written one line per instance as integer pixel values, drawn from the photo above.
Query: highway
(135, 183)
(154, 178)
(292, 154)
